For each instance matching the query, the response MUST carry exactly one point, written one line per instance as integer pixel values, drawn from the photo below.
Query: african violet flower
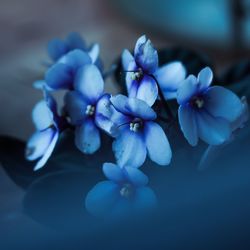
(88, 108)
(213, 151)
(62, 74)
(48, 123)
(142, 72)
(58, 48)
(124, 192)
(206, 112)
(138, 133)
(169, 77)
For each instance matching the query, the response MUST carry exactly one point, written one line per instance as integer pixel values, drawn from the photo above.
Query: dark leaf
(192, 60)
(119, 76)
(237, 72)
(65, 156)
(237, 78)
(14, 163)
(57, 200)
(215, 156)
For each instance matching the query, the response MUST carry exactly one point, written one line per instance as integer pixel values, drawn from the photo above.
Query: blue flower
(89, 109)
(57, 48)
(206, 112)
(138, 133)
(124, 192)
(169, 77)
(62, 74)
(213, 151)
(144, 65)
(47, 122)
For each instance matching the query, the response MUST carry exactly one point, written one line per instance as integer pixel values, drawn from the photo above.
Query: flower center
(90, 110)
(136, 125)
(126, 191)
(137, 75)
(198, 102)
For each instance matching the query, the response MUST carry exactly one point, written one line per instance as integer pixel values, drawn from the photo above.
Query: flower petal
(129, 149)
(221, 102)
(106, 124)
(141, 40)
(130, 66)
(127, 58)
(56, 49)
(205, 78)
(187, 120)
(146, 55)
(38, 144)
(212, 130)
(140, 109)
(133, 106)
(145, 199)
(42, 116)
(94, 52)
(59, 76)
(170, 76)
(76, 59)
(87, 137)
(157, 144)
(113, 172)
(169, 95)
(89, 82)
(120, 103)
(50, 101)
(102, 198)
(187, 89)
(147, 90)
(104, 115)
(120, 119)
(135, 176)
(122, 209)
(104, 106)
(41, 84)
(132, 88)
(48, 152)
(75, 105)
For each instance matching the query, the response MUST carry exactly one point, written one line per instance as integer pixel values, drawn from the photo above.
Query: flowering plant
(138, 121)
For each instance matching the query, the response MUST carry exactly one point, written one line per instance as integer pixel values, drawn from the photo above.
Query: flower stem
(164, 102)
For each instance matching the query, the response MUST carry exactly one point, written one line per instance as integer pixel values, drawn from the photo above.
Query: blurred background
(220, 28)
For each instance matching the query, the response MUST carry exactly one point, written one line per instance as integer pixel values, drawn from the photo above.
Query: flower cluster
(206, 112)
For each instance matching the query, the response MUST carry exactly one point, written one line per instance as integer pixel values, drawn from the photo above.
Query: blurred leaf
(193, 61)
(237, 72)
(237, 78)
(65, 156)
(225, 154)
(57, 200)
(119, 76)
(14, 163)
